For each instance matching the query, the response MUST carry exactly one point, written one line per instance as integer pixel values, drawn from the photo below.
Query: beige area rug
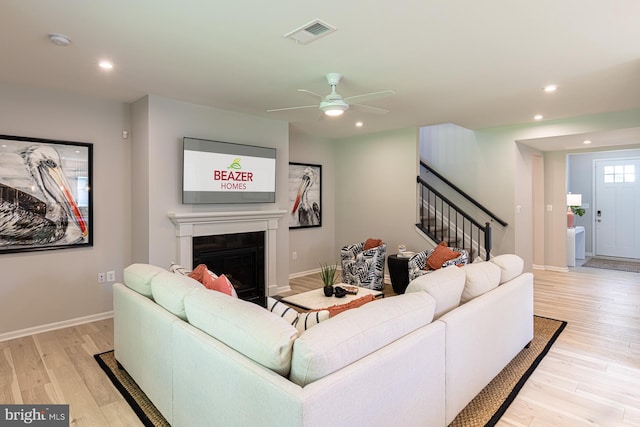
(613, 264)
(485, 410)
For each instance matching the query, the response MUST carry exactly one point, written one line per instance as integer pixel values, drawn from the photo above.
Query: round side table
(398, 272)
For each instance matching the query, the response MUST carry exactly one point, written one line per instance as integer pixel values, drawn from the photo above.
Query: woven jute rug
(484, 410)
(138, 401)
(613, 264)
(492, 402)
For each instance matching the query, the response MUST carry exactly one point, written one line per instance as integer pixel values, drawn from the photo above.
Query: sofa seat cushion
(444, 285)
(248, 328)
(138, 277)
(481, 277)
(356, 333)
(511, 266)
(169, 291)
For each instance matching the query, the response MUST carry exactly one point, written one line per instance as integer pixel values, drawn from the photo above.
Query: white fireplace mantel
(193, 224)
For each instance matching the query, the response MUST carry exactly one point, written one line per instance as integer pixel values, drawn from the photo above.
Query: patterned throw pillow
(301, 321)
(178, 269)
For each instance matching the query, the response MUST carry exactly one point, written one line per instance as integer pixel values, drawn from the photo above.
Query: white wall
(160, 125)
(375, 191)
(42, 289)
(318, 244)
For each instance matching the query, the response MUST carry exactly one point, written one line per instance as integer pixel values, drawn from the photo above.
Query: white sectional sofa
(204, 358)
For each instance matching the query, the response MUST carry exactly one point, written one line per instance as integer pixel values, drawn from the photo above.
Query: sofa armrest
(483, 336)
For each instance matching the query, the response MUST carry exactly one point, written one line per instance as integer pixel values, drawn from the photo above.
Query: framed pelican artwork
(305, 195)
(45, 194)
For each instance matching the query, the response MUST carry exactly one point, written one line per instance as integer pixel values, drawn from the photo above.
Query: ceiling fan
(334, 104)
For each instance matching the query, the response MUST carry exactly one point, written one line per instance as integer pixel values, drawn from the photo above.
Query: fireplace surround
(198, 224)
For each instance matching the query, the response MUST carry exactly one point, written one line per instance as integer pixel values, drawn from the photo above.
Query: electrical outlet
(294, 255)
(102, 277)
(111, 276)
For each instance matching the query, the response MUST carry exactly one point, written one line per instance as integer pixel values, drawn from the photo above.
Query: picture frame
(305, 195)
(46, 194)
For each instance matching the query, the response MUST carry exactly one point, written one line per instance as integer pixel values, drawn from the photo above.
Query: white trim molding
(53, 326)
(193, 224)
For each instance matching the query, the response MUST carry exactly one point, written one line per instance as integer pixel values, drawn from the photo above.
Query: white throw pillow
(481, 277)
(138, 277)
(246, 327)
(444, 285)
(510, 264)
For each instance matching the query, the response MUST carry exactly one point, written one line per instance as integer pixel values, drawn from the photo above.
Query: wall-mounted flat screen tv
(224, 172)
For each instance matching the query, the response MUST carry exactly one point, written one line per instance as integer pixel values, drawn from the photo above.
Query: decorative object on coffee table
(328, 276)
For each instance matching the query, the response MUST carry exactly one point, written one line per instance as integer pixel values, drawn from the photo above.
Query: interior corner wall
(316, 244)
(376, 190)
(140, 180)
(166, 122)
(43, 289)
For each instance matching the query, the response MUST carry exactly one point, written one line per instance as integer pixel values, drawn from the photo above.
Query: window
(620, 173)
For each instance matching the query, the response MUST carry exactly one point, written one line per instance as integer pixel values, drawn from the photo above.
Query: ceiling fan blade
(292, 108)
(368, 96)
(370, 109)
(311, 93)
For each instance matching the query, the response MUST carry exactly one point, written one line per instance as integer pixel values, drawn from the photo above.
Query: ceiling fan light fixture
(334, 108)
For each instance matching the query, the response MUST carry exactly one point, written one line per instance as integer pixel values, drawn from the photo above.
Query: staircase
(443, 220)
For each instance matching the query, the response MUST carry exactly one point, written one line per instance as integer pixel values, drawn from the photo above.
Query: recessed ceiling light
(586, 141)
(538, 117)
(59, 39)
(359, 124)
(105, 65)
(550, 88)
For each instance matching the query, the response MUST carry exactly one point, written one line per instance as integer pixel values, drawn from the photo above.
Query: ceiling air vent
(311, 31)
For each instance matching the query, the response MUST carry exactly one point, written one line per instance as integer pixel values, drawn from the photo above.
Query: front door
(617, 208)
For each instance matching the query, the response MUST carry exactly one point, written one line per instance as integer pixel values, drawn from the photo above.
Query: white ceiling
(473, 63)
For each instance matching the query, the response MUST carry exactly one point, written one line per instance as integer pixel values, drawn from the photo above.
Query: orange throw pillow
(372, 243)
(441, 255)
(220, 284)
(199, 273)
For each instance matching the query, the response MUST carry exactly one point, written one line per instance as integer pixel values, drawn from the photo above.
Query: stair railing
(442, 220)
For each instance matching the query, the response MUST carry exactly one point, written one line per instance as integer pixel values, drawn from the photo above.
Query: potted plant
(577, 210)
(328, 276)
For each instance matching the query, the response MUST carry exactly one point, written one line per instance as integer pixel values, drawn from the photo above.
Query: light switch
(549, 208)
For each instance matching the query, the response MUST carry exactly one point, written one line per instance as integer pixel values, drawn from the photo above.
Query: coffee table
(315, 299)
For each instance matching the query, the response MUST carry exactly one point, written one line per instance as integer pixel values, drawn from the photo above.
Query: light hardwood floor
(591, 376)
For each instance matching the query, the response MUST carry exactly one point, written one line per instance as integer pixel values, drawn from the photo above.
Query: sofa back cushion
(481, 277)
(511, 266)
(138, 277)
(444, 285)
(356, 333)
(248, 328)
(169, 291)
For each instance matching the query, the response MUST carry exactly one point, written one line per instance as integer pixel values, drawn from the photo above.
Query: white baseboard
(53, 326)
(550, 268)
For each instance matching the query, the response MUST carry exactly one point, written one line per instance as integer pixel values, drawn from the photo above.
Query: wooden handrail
(462, 193)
